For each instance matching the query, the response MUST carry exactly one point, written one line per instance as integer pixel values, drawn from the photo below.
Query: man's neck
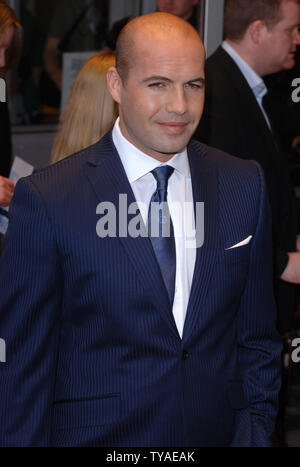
(246, 55)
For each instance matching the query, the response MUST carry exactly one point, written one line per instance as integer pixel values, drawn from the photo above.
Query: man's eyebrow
(294, 26)
(197, 80)
(156, 78)
(168, 80)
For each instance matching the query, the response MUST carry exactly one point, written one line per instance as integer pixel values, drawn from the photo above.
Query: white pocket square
(244, 242)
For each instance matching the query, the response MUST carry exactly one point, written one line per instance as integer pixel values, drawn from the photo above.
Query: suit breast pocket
(235, 255)
(230, 275)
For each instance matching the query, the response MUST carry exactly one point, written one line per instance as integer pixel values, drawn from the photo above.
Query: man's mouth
(173, 127)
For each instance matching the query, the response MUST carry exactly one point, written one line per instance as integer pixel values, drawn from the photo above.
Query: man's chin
(290, 63)
(174, 144)
(172, 150)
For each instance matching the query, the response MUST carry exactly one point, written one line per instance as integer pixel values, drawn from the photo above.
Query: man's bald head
(151, 29)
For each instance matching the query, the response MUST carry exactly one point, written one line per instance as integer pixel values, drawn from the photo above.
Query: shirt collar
(137, 164)
(254, 80)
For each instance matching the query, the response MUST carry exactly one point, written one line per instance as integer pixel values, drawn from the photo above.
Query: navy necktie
(161, 231)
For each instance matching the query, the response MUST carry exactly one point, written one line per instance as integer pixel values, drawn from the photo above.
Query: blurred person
(126, 338)
(185, 9)
(90, 110)
(6, 191)
(260, 39)
(10, 51)
(77, 26)
(286, 110)
(30, 70)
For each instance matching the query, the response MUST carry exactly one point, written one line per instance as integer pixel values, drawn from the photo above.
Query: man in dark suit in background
(120, 339)
(260, 38)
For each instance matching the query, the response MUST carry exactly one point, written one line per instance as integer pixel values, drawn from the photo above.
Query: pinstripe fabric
(93, 353)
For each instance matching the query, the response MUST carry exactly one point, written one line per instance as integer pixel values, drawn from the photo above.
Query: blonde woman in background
(90, 110)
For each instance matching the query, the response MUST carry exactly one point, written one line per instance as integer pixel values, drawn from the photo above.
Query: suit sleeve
(259, 344)
(30, 291)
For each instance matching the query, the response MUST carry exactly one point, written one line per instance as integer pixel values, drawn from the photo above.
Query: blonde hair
(90, 110)
(8, 18)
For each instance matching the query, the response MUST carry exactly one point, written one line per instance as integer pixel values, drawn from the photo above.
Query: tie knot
(162, 175)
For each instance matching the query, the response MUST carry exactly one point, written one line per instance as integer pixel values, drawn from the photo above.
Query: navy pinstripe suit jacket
(93, 353)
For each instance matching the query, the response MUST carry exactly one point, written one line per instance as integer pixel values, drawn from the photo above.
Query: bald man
(134, 307)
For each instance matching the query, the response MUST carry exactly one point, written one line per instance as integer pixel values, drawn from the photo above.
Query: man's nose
(296, 36)
(177, 102)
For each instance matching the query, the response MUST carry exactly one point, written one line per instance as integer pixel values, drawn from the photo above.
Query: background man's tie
(163, 245)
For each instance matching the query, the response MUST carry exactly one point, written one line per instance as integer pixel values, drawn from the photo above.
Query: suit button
(184, 355)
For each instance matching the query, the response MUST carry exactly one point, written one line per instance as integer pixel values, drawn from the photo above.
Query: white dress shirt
(138, 167)
(255, 82)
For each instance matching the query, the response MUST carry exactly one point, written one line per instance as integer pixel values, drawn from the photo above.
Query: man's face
(280, 42)
(181, 8)
(161, 101)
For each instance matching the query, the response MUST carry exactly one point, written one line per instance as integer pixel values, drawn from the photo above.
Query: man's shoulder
(224, 161)
(233, 176)
(216, 56)
(222, 72)
(69, 171)
(219, 59)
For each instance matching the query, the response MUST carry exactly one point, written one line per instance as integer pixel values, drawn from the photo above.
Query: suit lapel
(106, 173)
(205, 189)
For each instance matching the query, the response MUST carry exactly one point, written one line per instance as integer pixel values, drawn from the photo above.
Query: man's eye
(195, 86)
(156, 85)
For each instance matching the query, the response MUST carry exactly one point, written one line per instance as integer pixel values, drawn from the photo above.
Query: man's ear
(257, 31)
(114, 84)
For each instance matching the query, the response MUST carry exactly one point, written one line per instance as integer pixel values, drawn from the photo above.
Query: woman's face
(5, 42)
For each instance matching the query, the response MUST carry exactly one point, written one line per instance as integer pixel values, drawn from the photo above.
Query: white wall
(213, 28)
